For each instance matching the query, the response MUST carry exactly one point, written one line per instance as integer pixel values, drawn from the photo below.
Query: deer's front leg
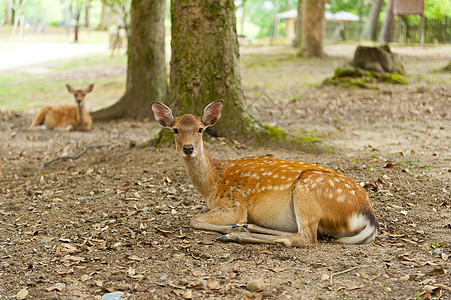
(220, 219)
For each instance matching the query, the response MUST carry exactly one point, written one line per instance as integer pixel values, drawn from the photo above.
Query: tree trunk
(68, 17)
(205, 65)
(77, 19)
(313, 27)
(370, 27)
(243, 7)
(146, 68)
(297, 42)
(13, 12)
(388, 26)
(102, 24)
(7, 12)
(87, 7)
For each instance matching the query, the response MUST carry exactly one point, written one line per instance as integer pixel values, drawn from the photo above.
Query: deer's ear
(89, 88)
(163, 114)
(212, 113)
(69, 88)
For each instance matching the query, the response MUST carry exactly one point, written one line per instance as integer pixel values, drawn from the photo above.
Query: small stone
(113, 296)
(256, 285)
(60, 286)
(437, 252)
(188, 294)
(325, 277)
(46, 239)
(225, 256)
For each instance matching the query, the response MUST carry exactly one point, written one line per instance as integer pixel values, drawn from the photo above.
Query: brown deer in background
(66, 117)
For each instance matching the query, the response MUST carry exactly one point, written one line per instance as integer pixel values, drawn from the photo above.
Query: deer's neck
(81, 118)
(204, 175)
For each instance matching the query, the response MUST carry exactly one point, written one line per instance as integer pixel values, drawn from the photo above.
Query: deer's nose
(188, 149)
(78, 101)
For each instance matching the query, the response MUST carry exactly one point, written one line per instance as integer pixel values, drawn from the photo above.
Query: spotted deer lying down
(66, 117)
(268, 200)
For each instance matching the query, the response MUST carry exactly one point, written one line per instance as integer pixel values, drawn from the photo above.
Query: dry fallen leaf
(436, 271)
(390, 166)
(22, 294)
(188, 294)
(325, 277)
(213, 285)
(131, 271)
(373, 277)
(279, 269)
(134, 257)
(355, 287)
(51, 288)
(84, 277)
(81, 295)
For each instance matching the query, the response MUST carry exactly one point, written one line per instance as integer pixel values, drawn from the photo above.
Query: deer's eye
(176, 131)
(200, 130)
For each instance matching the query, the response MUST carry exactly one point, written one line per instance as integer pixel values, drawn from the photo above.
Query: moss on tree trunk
(205, 65)
(370, 64)
(447, 68)
(146, 68)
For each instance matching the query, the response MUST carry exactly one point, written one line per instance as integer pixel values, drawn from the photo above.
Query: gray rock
(113, 296)
(256, 285)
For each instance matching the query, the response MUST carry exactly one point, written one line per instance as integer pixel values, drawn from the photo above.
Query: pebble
(437, 252)
(46, 239)
(113, 296)
(256, 285)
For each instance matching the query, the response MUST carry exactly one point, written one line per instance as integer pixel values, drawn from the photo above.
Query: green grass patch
(24, 91)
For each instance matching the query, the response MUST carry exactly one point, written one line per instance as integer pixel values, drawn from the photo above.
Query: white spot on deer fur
(282, 177)
(313, 185)
(353, 192)
(347, 185)
(341, 198)
(319, 179)
(331, 182)
(317, 172)
(283, 166)
(339, 191)
(275, 176)
(263, 188)
(331, 195)
(319, 191)
(336, 179)
(270, 187)
(257, 185)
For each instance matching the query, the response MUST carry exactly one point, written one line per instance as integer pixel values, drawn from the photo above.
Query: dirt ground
(116, 219)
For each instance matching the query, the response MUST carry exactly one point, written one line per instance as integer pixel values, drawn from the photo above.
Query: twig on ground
(100, 196)
(346, 271)
(45, 164)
